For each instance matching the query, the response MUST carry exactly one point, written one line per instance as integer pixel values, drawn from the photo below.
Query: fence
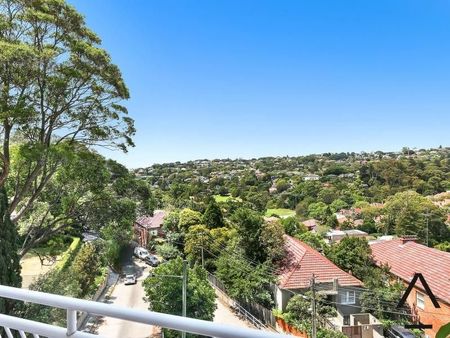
(84, 317)
(258, 315)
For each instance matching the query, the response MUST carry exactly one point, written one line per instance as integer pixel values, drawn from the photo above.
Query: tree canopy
(164, 293)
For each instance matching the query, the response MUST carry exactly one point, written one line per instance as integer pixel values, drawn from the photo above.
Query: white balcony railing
(73, 306)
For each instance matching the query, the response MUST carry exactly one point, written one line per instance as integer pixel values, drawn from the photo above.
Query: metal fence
(257, 314)
(73, 305)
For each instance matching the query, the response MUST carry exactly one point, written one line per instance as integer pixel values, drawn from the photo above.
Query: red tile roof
(407, 258)
(311, 223)
(152, 222)
(302, 262)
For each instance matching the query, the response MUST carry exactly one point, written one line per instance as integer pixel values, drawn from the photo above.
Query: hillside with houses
(346, 232)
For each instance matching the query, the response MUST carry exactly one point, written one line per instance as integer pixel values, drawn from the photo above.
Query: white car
(130, 279)
(141, 253)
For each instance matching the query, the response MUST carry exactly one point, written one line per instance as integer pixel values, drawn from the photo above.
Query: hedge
(69, 254)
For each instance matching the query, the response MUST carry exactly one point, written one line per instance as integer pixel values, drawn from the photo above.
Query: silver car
(130, 279)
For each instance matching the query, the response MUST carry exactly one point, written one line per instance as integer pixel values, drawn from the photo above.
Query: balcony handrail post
(73, 305)
(184, 293)
(71, 322)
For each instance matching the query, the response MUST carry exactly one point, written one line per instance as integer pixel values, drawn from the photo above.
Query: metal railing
(256, 314)
(74, 305)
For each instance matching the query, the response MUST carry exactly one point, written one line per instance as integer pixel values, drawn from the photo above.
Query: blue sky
(250, 78)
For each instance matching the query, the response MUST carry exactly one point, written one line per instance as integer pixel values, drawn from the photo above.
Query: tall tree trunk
(9, 257)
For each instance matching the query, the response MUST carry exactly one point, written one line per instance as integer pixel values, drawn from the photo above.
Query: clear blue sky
(250, 78)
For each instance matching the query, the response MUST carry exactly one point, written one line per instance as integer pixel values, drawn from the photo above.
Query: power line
(273, 274)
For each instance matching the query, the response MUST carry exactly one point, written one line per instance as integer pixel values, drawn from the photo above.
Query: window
(420, 300)
(348, 297)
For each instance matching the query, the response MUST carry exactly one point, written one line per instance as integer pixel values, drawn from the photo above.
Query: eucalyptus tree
(57, 87)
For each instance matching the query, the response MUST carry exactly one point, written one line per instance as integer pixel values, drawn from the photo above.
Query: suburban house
(146, 226)
(405, 257)
(311, 177)
(311, 224)
(295, 274)
(334, 236)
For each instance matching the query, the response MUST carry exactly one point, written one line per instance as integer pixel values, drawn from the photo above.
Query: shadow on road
(128, 263)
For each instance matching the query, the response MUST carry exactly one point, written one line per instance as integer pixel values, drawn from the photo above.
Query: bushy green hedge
(81, 273)
(69, 254)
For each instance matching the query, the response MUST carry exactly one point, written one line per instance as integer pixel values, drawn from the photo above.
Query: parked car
(130, 279)
(397, 331)
(151, 260)
(140, 252)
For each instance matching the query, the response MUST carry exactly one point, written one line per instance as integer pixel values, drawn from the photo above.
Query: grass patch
(224, 199)
(280, 212)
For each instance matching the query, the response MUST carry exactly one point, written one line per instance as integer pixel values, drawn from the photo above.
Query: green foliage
(79, 279)
(164, 293)
(298, 310)
(444, 246)
(188, 218)
(282, 184)
(352, 254)
(249, 225)
(381, 300)
(212, 216)
(337, 205)
(86, 267)
(171, 221)
(167, 251)
(325, 333)
(69, 254)
(198, 237)
(444, 331)
(213, 242)
(318, 210)
(408, 213)
(272, 240)
(59, 92)
(244, 281)
(313, 240)
(292, 226)
(9, 259)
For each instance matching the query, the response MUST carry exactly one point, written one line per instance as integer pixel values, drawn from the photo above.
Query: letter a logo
(429, 293)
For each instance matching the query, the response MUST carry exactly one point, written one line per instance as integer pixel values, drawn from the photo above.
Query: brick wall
(430, 315)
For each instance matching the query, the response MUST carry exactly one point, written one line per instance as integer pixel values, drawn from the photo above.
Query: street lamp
(184, 289)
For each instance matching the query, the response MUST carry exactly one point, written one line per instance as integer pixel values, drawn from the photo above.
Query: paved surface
(131, 296)
(224, 315)
(32, 268)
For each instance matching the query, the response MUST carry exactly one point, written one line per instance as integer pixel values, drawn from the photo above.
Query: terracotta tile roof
(152, 222)
(407, 258)
(311, 223)
(302, 262)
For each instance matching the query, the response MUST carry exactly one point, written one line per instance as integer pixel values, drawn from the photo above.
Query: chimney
(408, 238)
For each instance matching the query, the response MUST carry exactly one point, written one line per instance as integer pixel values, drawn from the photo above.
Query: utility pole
(427, 215)
(184, 278)
(313, 307)
(183, 334)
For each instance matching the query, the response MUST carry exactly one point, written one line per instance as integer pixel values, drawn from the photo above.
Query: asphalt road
(131, 296)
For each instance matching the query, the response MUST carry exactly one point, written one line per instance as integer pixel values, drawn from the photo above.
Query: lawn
(224, 199)
(280, 212)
